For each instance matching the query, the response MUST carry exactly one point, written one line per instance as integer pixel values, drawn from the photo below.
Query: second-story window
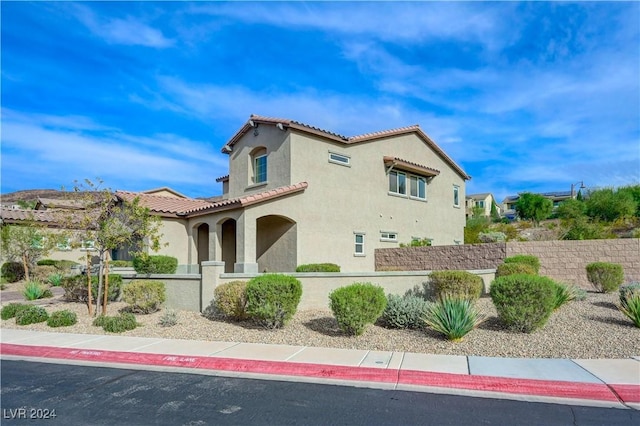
(397, 182)
(259, 164)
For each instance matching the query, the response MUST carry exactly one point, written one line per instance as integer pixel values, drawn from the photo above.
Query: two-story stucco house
(297, 194)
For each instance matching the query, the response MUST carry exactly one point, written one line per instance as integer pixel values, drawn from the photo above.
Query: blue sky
(524, 96)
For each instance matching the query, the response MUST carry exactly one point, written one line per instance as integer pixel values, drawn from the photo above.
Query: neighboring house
(509, 203)
(482, 201)
(297, 194)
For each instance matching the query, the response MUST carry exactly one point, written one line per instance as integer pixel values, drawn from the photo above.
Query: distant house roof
(481, 196)
(10, 215)
(187, 207)
(256, 120)
(553, 195)
(60, 203)
(164, 191)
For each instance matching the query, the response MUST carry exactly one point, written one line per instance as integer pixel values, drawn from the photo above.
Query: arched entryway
(228, 244)
(203, 243)
(276, 244)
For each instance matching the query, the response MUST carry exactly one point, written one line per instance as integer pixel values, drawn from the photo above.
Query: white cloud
(128, 31)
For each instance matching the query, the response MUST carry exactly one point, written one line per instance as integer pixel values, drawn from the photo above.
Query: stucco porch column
(245, 245)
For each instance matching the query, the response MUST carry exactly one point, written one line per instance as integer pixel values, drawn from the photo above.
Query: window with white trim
(418, 187)
(397, 182)
(87, 245)
(359, 244)
(456, 196)
(259, 165)
(64, 244)
(343, 160)
(388, 236)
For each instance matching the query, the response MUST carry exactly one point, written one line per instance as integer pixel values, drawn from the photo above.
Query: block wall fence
(561, 260)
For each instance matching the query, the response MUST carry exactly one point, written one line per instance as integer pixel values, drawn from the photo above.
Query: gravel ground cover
(592, 328)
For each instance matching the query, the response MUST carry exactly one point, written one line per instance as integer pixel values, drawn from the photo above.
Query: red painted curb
(549, 388)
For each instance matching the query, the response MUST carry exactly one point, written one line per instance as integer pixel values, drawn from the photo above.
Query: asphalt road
(42, 393)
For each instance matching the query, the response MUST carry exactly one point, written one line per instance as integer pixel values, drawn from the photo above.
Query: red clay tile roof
(18, 215)
(185, 207)
(411, 166)
(367, 137)
(224, 178)
(162, 204)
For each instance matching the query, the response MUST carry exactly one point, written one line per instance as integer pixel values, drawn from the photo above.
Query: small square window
(389, 236)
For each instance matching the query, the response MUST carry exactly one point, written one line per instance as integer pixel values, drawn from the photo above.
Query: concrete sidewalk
(602, 382)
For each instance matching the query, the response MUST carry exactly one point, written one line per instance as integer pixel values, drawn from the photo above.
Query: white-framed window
(259, 165)
(343, 160)
(480, 204)
(456, 196)
(418, 187)
(64, 244)
(388, 236)
(87, 245)
(358, 243)
(397, 182)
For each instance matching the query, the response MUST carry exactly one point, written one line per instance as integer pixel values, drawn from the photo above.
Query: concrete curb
(599, 393)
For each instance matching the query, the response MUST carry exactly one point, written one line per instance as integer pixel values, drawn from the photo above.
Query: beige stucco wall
(338, 202)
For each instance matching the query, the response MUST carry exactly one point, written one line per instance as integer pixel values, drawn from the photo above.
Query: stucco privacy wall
(561, 260)
(195, 292)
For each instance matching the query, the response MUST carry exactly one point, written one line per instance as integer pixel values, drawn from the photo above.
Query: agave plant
(630, 302)
(34, 290)
(454, 317)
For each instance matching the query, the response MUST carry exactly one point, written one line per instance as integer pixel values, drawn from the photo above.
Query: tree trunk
(25, 264)
(100, 281)
(106, 284)
(89, 301)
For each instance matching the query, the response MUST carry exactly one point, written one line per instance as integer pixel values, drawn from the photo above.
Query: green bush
(606, 277)
(55, 279)
(404, 311)
(454, 317)
(144, 296)
(10, 310)
(156, 264)
(32, 314)
(457, 284)
(47, 262)
(12, 271)
(630, 302)
(231, 300)
(75, 288)
(121, 263)
(318, 267)
(507, 269)
(272, 299)
(528, 259)
(357, 305)
(524, 302)
(34, 290)
(116, 324)
(62, 319)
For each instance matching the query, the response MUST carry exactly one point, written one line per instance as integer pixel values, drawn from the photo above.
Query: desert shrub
(564, 294)
(231, 300)
(116, 324)
(62, 319)
(492, 237)
(12, 271)
(454, 317)
(169, 318)
(506, 269)
(605, 277)
(404, 311)
(42, 272)
(75, 288)
(528, 259)
(318, 267)
(630, 302)
(10, 310)
(155, 264)
(55, 279)
(121, 263)
(144, 296)
(34, 290)
(272, 299)
(65, 265)
(524, 302)
(47, 262)
(357, 305)
(32, 314)
(459, 284)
